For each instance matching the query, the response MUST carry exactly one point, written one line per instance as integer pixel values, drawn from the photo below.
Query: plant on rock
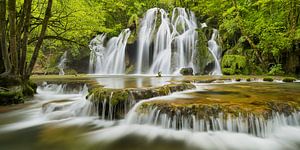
(233, 64)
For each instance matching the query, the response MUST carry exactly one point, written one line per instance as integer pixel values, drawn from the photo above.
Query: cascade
(62, 63)
(174, 41)
(146, 32)
(164, 44)
(213, 47)
(75, 105)
(108, 59)
(187, 120)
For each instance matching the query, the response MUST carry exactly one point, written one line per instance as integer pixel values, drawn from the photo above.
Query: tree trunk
(12, 35)
(3, 47)
(40, 40)
(27, 11)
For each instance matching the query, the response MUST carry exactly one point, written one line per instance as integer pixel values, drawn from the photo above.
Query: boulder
(186, 71)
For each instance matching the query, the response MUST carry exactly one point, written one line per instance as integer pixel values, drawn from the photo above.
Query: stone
(186, 71)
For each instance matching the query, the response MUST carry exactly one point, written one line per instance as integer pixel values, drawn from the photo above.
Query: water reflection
(132, 81)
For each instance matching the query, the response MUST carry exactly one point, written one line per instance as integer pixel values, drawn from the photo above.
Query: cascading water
(174, 42)
(60, 118)
(164, 44)
(109, 59)
(213, 47)
(62, 63)
(189, 120)
(146, 32)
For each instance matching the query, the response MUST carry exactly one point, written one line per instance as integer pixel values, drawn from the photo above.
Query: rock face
(115, 103)
(186, 71)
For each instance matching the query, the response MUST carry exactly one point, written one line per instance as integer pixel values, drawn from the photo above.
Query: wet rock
(268, 79)
(116, 102)
(186, 71)
(11, 95)
(14, 91)
(289, 79)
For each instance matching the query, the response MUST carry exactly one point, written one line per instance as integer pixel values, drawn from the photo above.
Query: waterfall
(174, 42)
(109, 59)
(250, 124)
(166, 43)
(146, 32)
(62, 63)
(214, 49)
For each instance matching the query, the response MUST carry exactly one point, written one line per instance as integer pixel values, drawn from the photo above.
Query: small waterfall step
(239, 107)
(115, 103)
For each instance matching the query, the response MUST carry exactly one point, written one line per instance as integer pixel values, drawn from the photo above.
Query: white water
(57, 113)
(250, 124)
(145, 35)
(62, 63)
(215, 51)
(109, 59)
(166, 43)
(174, 41)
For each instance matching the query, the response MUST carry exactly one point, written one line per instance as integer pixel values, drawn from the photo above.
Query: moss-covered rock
(289, 79)
(13, 90)
(222, 102)
(70, 72)
(186, 71)
(203, 56)
(268, 79)
(117, 100)
(12, 95)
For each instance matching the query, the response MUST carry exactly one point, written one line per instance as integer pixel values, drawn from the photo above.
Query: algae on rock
(114, 103)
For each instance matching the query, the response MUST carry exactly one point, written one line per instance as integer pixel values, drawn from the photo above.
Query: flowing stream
(60, 117)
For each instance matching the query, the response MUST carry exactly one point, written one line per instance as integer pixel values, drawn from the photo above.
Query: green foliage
(263, 31)
(276, 70)
(233, 64)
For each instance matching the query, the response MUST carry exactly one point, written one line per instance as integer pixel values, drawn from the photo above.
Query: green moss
(70, 72)
(115, 96)
(261, 99)
(186, 71)
(233, 64)
(203, 56)
(289, 79)
(52, 70)
(268, 79)
(13, 95)
(238, 79)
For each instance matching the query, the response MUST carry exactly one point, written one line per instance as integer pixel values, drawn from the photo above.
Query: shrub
(276, 70)
(233, 64)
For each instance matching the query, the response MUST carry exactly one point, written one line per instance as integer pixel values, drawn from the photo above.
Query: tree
(15, 59)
